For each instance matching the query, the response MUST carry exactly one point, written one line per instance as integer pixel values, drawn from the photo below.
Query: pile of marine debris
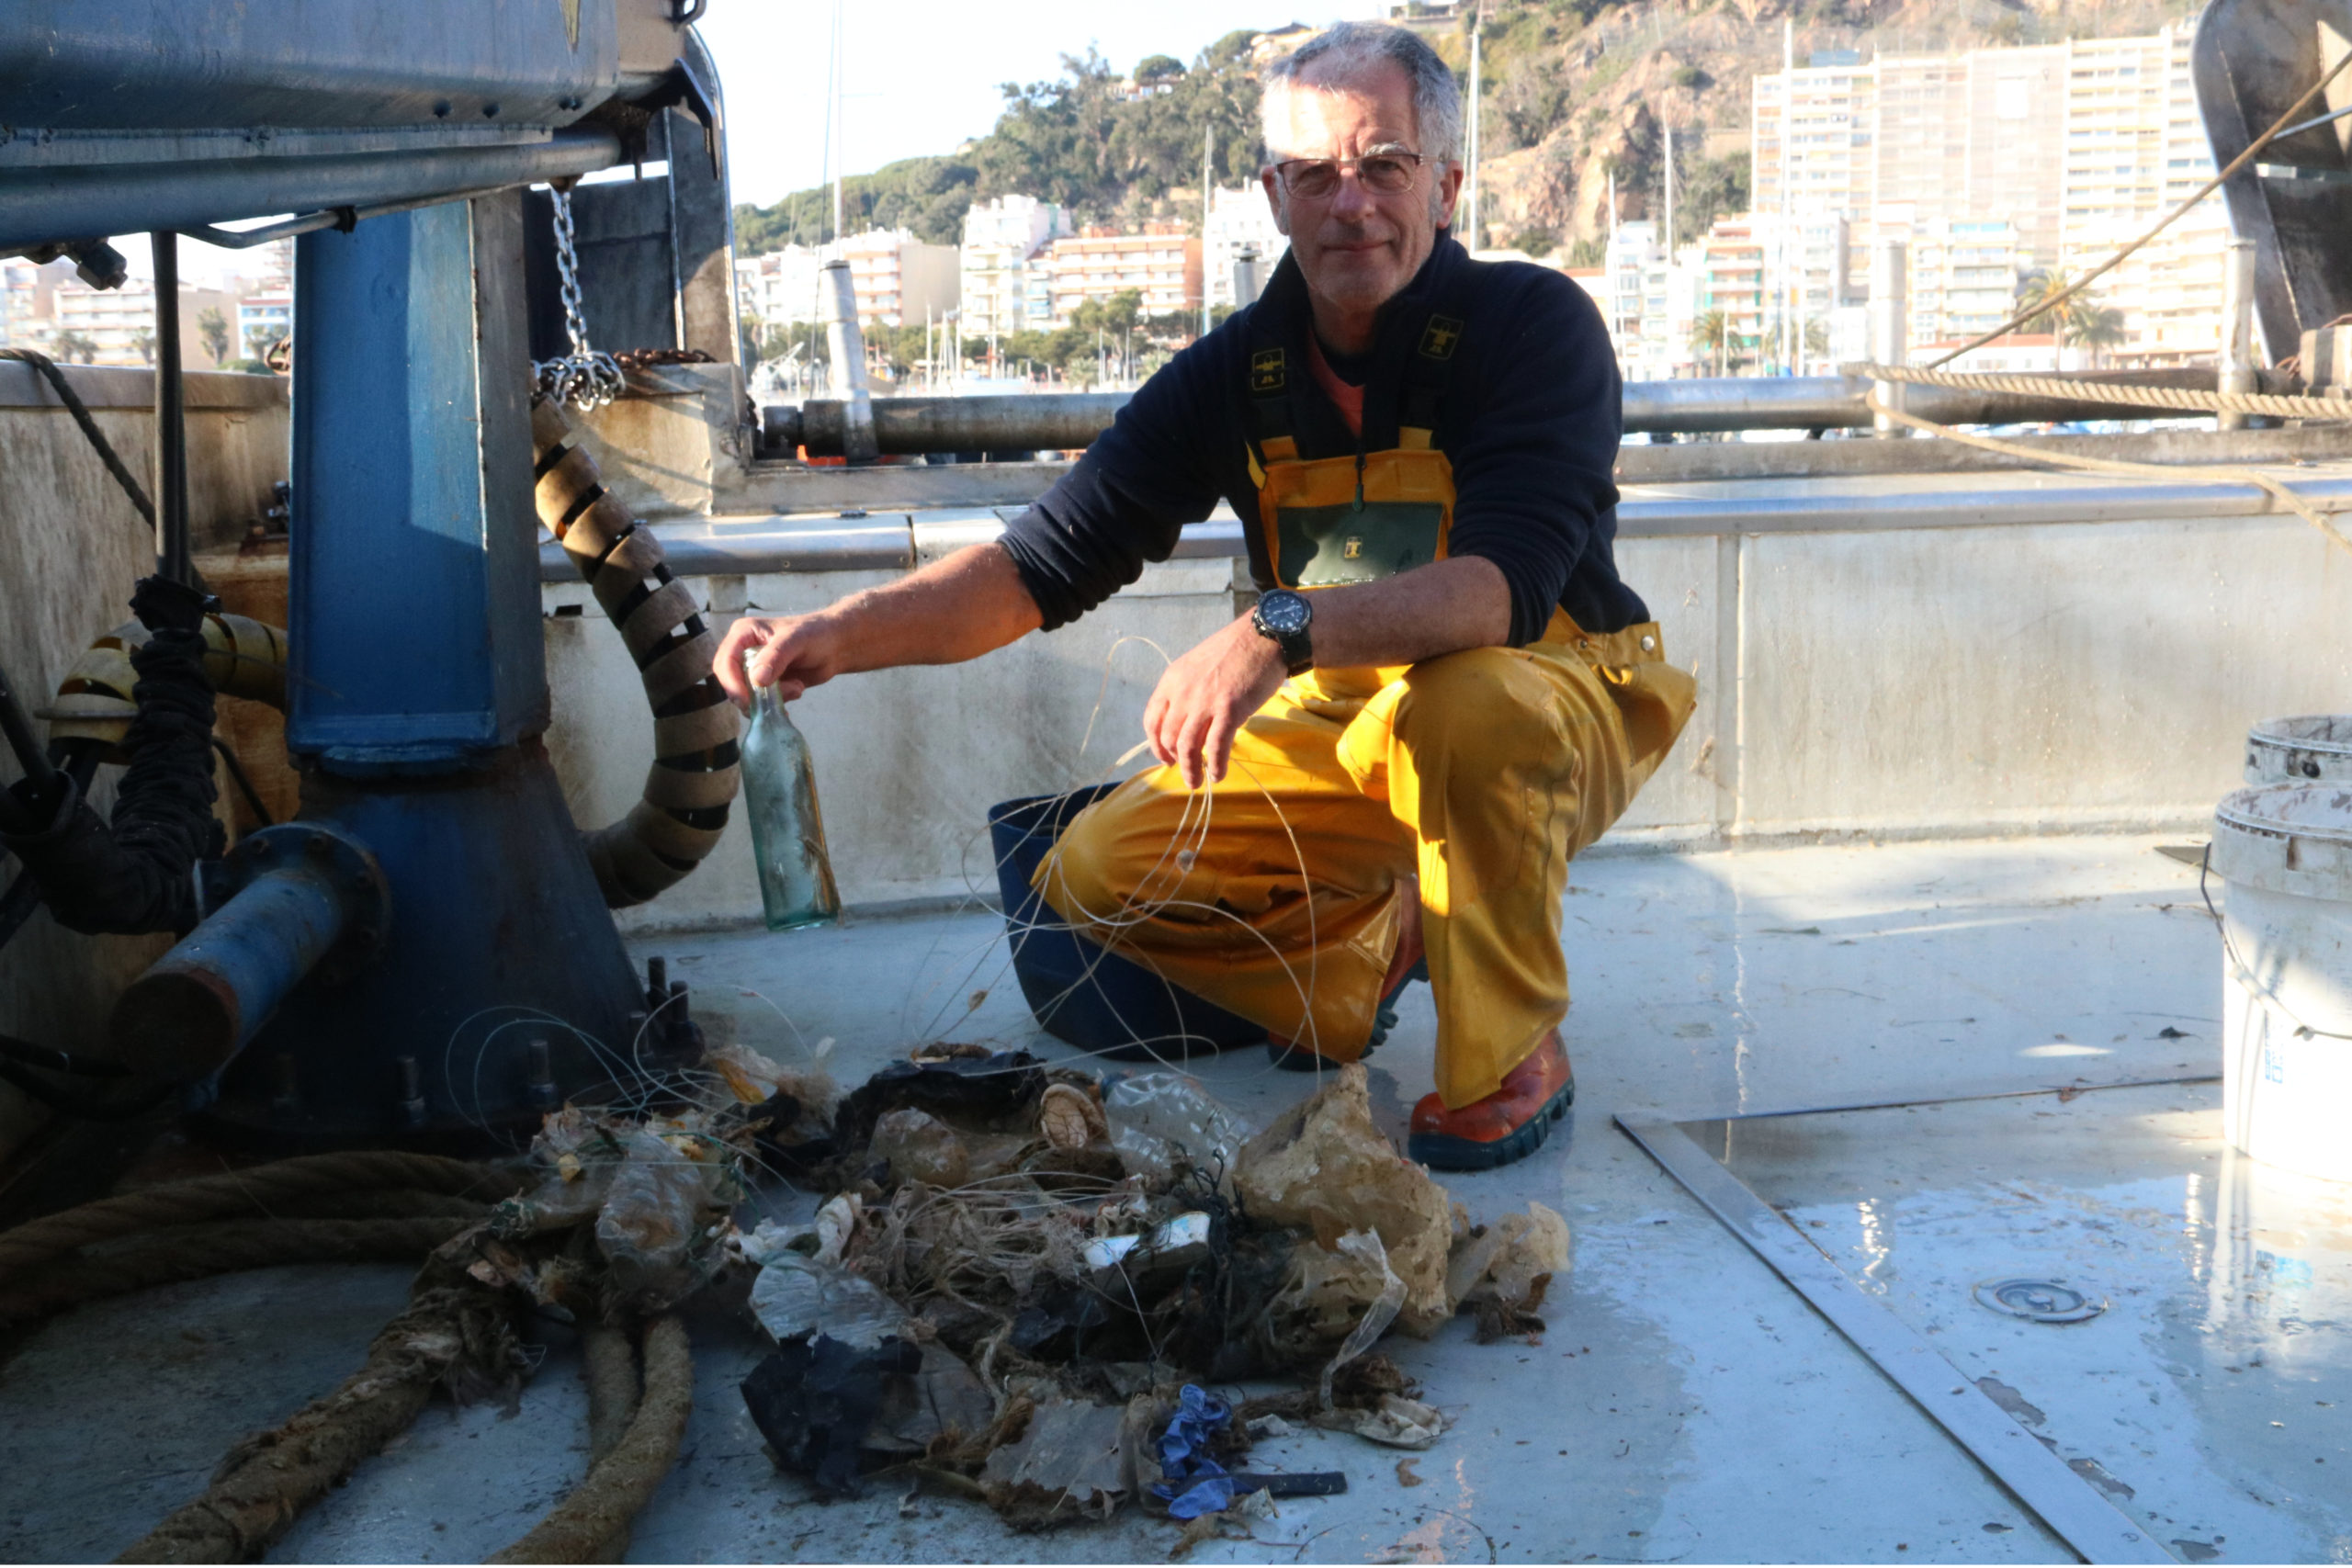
(1023, 1275)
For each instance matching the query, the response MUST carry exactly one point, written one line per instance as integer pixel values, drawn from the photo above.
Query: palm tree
(1711, 335)
(2099, 327)
(73, 345)
(142, 342)
(213, 328)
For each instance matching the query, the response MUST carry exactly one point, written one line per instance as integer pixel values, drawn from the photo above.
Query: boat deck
(1686, 1402)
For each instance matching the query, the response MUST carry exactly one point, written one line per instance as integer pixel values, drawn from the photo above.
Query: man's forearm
(1444, 607)
(958, 607)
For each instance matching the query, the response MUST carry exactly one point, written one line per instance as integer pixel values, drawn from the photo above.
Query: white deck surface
(1686, 1405)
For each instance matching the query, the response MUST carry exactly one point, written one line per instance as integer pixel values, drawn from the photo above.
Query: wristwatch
(1286, 620)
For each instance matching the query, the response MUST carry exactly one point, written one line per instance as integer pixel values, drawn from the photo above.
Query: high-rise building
(779, 286)
(116, 326)
(2076, 147)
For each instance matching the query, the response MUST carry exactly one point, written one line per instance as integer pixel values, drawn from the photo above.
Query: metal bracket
(2075, 1511)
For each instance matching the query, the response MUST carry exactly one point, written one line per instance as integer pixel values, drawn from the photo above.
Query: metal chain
(584, 378)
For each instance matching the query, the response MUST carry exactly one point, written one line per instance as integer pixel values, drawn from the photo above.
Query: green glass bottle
(787, 835)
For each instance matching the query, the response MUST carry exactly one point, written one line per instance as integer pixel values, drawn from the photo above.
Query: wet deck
(1686, 1403)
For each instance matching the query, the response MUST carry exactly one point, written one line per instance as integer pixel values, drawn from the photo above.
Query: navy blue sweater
(1530, 422)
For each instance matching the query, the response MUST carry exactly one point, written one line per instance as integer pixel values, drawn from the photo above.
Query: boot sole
(1442, 1151)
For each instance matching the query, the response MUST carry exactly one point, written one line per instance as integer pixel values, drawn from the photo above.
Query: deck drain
(2039, 1300)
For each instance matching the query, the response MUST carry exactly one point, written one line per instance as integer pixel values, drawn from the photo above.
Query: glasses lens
(1317, 176)
(1386, 173)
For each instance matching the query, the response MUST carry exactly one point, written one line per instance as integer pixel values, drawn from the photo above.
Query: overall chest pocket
(1324, 547)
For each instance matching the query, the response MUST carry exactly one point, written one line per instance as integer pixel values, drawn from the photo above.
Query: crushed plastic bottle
(1159, 1120)
(787, 834)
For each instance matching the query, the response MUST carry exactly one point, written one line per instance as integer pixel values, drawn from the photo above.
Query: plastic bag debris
(836, 1223)
(1193, 1483)
(1161, 1122)
(1359, 1253)
(655, 1227)
(1073, 1456)
(918, 1146)
(965, 1084)
(1511, 1260)
(796, 1296)
(1323, 1167)
(813, 1400)
(941, 1399)
(1396, 1422)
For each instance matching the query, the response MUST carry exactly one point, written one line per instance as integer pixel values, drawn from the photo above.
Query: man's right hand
(794, 653)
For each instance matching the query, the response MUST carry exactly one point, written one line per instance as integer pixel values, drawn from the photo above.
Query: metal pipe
(2237, 373)
(1890, 313)
(1064, 422)
(170, 414)
(307, 893)
(846, 345)
(44, 206)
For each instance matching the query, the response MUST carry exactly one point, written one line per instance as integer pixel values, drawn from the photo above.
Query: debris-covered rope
(2286, 495)
(240, 1194)
(455, 1330)
(625, 1480)
(2172, 399)
(199, 1252)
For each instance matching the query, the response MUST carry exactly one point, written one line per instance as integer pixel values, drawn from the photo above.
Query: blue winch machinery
(424, 954)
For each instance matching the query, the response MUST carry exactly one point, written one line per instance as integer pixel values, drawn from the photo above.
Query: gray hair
(1346, 49)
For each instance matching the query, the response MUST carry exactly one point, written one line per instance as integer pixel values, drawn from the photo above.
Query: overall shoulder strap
(1269, 394)
(1430, 367)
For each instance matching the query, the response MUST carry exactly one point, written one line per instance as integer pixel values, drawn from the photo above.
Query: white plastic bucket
(2313, 748)
(2285, 852)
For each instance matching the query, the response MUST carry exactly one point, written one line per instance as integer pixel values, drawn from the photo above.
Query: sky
(923, 76)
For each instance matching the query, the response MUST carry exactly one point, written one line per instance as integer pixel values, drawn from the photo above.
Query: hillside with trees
(1574, 91)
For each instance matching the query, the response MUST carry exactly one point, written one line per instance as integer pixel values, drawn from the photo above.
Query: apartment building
(1963, 278)
(262, 316)
(116, 326)
(2077, 146)
(1163, 265)
(1732, 281)
(1001, 240)
(781, 286)
(899, 279)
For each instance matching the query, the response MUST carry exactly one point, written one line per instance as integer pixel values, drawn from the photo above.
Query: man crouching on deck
(1445, 692)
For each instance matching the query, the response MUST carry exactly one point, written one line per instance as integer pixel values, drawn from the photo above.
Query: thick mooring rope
(2177, 399)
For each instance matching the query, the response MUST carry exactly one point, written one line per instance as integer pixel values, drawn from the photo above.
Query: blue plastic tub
(1095, 1000)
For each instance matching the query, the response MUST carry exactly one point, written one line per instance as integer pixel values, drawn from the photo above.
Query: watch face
(1285, 614)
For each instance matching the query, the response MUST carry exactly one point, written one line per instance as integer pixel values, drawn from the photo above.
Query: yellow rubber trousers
(1274, 893)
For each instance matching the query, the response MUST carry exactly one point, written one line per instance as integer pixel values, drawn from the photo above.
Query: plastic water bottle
(787, 835)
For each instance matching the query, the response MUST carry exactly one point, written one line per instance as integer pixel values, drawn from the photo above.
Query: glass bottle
(787, 835)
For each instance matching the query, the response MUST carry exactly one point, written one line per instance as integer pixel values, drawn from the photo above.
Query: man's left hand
(1201, 700)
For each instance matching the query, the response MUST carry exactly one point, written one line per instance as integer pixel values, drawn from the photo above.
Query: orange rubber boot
(1508, 1124)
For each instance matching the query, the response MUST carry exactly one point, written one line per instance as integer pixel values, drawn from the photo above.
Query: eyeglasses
(1317, 178)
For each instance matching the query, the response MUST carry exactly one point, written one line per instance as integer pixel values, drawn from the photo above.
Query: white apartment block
(116, 326)
(1162, 265)
(2076, 147)
(262, 319)
(1238, 220)
(1001, 239)
(780, 287)
(1964, 278)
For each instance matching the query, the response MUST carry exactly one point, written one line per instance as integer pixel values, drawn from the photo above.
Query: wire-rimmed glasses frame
(1388, 171)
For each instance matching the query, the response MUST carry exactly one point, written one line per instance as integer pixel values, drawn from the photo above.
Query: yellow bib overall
(1274, 894)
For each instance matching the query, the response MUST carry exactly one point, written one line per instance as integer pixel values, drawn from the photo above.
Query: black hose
(16, 905)
(90, 431)
(84, 1106)
(19, 731)
(25, 1054)
(244, 784)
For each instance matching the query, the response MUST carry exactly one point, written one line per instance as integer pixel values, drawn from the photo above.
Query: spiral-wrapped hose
(242, 657)
(693, 777)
